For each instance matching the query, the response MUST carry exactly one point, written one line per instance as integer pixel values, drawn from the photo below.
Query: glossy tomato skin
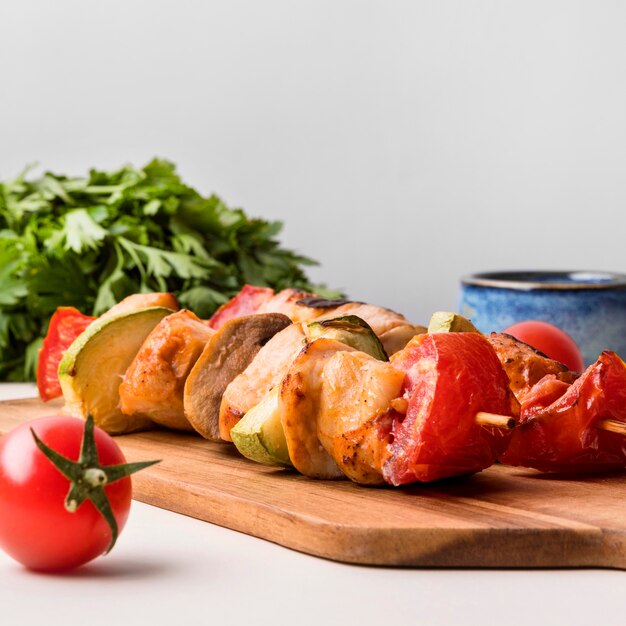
(551, 340)
(450, 377)
(65, 325)
(35, 527)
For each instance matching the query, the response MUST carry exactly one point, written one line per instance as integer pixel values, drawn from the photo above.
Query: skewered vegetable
(260, 436)
(93, 366)
(351, 330)
(564, 427)
(270, 365)
(322, 396)
(524, 365)
(67, 323)
(265, 371)
(450, 377)
(301, 306)
(447, 322)
(227, 354)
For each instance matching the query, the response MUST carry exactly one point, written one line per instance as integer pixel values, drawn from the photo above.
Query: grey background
(403, 143)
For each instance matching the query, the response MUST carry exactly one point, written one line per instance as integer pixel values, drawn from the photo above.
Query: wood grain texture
(502, 517)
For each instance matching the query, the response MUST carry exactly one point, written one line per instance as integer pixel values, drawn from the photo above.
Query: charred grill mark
(322, 303)
(545, 356)
(294, 382)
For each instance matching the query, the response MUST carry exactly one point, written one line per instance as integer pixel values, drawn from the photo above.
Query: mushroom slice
(299, 404)
(226, 355)
(355, 413)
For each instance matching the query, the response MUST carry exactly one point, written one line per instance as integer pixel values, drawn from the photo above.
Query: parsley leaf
(90, 241)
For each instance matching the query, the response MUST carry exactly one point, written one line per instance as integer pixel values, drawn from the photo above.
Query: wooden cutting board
(502, 517)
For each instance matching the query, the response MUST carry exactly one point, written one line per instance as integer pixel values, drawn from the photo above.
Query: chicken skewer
(393, 329)
(382, 422)
(399, 405)
(182, 354)
(526, 367)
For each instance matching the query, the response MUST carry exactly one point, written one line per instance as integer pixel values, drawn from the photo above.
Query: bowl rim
(560, 280)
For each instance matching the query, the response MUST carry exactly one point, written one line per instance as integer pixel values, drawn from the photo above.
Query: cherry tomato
(36, 528)
(65, 325)
(550, 340)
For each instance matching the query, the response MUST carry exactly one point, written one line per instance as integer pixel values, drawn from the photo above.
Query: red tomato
(550, 340)
(450, 377)
(65, 325)
(35, 527)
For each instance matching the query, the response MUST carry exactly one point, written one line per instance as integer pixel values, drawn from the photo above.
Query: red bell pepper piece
(247, 302)
(559, 423)
(65, 325)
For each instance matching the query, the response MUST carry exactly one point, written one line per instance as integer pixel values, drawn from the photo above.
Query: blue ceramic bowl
(588, 306)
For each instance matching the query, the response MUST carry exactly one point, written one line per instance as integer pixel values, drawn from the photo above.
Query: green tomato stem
(88, 478)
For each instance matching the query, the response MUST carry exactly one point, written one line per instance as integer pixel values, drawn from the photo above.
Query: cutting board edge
(515, 548)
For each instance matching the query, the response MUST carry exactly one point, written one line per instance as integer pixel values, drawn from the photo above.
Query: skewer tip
(494, 419)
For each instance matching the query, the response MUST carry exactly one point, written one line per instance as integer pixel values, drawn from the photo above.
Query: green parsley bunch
(89, 242)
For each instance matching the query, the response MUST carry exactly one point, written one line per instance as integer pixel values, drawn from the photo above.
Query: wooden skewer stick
(494, 419)
(504, 421)
(612, 426)
(482, 417)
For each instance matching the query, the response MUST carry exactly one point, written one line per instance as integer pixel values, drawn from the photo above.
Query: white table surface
(171, 569)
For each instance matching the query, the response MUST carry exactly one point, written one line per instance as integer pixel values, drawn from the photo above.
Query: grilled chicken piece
(526, 366)
(299, 405)
(142, 301)
(153, 384)
(264, 372)
(299, 306)
(396, 339)
(355, 413)
(380, 319)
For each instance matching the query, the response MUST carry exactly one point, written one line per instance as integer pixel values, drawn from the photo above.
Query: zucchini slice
(93, 367)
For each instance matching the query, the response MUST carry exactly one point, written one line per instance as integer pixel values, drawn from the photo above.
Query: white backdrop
(403, 143)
